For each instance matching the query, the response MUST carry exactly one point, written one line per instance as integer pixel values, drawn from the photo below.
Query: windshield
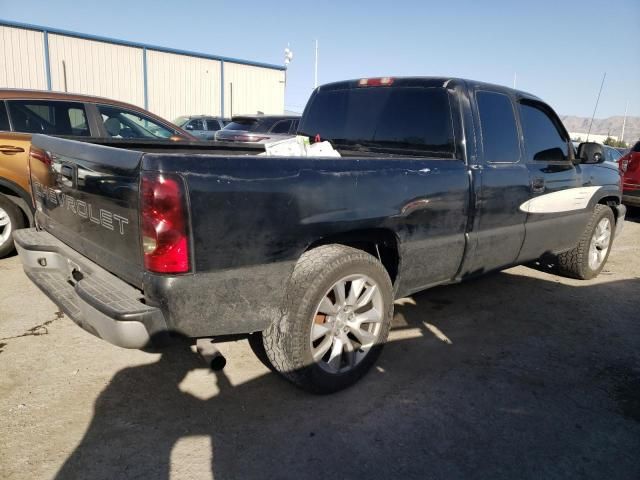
(406, 118)
(180, 121)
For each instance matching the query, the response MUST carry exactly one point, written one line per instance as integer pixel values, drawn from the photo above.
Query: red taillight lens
(376, 82)
(39, 155)
(163, 220)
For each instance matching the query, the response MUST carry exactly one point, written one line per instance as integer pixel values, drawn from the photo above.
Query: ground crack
(37, 330)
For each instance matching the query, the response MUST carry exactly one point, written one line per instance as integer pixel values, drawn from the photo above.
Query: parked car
(436, 185)
(25, 112)
(201, 126)
(630, 170)
(259, 128)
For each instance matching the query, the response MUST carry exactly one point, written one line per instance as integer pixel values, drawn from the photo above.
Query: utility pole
(315, 77)
(596, 107)
(624, 121)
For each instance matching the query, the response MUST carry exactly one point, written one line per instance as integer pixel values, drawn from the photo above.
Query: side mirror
(591, 152)
(188, 127)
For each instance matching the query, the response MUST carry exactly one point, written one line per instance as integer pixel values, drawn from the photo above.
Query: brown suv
(24, 112)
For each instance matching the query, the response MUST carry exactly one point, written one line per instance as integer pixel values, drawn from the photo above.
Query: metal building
(165, 81)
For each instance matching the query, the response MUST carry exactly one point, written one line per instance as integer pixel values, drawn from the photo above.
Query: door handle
(67, 172)
(10, 149)
(537, 185)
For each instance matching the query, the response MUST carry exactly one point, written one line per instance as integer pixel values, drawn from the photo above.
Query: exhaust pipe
(210, 354)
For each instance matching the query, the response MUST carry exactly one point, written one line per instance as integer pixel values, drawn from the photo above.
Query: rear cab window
(500, 141)
(402, 120)
(49, 117)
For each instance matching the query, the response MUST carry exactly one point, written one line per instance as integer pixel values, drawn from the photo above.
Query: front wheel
(588, 258)
(335, 319)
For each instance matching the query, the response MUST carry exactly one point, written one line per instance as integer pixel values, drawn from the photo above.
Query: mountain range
(605, 126)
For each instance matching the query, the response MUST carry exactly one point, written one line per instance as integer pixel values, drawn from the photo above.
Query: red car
(630, 168)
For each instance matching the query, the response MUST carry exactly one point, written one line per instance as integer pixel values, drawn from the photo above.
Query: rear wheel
(588, 258)
(336, 318)
(11, 219)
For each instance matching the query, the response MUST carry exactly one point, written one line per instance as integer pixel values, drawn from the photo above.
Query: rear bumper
(93, 298)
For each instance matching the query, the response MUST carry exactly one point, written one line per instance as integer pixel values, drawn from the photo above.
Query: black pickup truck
(440, 180)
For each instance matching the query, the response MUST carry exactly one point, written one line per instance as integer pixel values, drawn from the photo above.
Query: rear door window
(415, 119)
(196, 124)
(4, 118)
(498, 125)
(50, 117)
(543, 139)
(121, 123)
(213, 125)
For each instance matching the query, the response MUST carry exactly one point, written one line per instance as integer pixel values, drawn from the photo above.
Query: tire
(579, 263)
(11, 219)
(311, 305)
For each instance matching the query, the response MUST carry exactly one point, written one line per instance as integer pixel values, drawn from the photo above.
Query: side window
(498, 125)
(121, 123)
(542, 138)
(4, 117)
(196, 124)
(282, 127)
(613, 155)
(213, 125)
(51, 117)
(294, 126)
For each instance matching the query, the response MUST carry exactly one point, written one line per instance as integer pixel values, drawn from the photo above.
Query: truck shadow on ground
(507, 376)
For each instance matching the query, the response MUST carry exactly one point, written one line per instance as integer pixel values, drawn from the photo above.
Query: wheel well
(379, 242)
(612, 203)
(8, 192)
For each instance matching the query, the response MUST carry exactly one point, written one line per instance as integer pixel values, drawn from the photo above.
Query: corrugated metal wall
(96, 68)
(254, 89)
(22, 59)
(182, 85)
(177, 83)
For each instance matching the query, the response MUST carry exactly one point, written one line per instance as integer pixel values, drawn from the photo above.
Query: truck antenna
(596, 107)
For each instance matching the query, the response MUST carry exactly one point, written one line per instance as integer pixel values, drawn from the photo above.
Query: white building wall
(254, 89)
(22, 59)
(177, 84)
(96, 68)
(182, 85)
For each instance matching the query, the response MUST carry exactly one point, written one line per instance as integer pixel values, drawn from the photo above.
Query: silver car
(259, 128)
(201, 126)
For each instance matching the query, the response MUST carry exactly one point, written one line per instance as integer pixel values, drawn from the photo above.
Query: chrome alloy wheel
(600, 242)
(347, 323)
(5, 226)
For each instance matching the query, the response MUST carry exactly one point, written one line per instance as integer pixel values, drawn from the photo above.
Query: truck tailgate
(87, 196)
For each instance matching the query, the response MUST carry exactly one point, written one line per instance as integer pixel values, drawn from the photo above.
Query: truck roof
(426, 82)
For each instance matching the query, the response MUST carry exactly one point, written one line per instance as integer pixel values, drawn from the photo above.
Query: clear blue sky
(559, 49)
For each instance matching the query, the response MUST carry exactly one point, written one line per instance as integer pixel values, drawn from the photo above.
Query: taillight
(36, 155)
(376, 82)
(624, 164)
(39, 155)
(164, 223)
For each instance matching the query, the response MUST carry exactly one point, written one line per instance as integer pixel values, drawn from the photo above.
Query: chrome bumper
(93, 298)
